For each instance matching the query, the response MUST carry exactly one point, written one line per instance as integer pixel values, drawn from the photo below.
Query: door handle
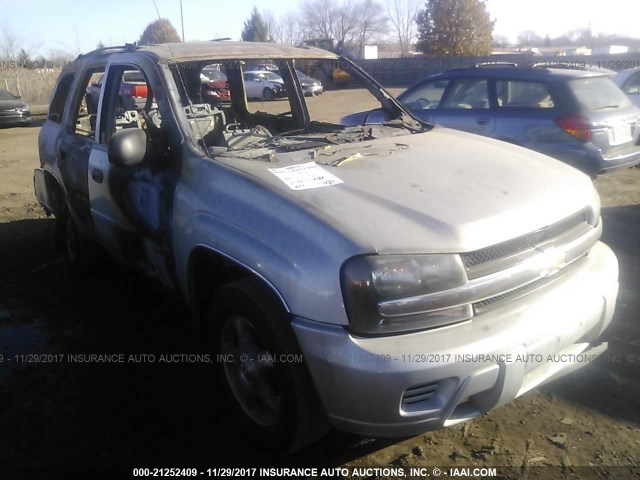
(482, 121)
(97, 175)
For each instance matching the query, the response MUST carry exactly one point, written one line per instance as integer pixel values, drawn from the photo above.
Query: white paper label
(305, 175)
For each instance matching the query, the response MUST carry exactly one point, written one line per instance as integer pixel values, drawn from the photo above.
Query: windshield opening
(280, 105)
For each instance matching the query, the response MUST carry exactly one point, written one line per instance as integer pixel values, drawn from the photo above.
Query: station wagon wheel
(268, 94)
(274, 401)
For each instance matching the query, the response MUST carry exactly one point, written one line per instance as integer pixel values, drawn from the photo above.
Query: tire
(275, 402)
(268, 94)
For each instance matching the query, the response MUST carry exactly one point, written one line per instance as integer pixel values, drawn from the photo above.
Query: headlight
(384, 294)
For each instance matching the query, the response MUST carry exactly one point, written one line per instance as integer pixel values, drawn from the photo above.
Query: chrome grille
(523, 243)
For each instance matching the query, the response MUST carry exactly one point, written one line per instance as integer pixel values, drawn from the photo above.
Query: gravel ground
(168, 414)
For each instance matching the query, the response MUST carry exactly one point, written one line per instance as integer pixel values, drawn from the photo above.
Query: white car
(263, 84)
(629, 82)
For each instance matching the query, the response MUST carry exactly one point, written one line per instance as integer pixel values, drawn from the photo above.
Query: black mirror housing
(128, 147)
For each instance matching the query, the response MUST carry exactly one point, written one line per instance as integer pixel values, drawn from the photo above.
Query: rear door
(525, 114)
(75, 143)
(466, 106)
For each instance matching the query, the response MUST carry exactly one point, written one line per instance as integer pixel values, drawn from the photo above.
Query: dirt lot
(152, 414)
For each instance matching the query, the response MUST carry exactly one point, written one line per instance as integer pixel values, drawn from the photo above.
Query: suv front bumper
(407, 384)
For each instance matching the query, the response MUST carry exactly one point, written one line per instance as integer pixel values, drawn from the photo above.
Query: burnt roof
(219, 50)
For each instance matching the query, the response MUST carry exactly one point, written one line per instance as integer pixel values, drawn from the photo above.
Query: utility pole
(182, 20)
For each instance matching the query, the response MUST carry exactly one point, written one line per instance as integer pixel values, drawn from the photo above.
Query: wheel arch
(209, 269)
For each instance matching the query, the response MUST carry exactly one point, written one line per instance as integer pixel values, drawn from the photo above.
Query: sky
(47, 25)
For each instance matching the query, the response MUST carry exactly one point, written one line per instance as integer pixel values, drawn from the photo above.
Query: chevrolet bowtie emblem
(551, 261)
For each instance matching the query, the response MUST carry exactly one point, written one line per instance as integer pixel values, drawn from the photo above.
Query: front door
(131, 206)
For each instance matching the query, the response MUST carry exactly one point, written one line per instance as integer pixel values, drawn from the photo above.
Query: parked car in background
(215, 88)
(629, 82)
(310, 86)
(133, 92)
(263, 84)
(13, 111)
(577, 116)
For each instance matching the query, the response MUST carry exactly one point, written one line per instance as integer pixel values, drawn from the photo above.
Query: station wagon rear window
(598, 94)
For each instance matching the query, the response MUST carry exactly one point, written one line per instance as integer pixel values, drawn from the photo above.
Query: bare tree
(319, 18)
(285, 29)
(10, 42)
(349, 23)
(402, 15)
(346, 24)
(371, 21)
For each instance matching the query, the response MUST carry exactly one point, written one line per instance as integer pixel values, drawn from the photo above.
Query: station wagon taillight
(575, 125)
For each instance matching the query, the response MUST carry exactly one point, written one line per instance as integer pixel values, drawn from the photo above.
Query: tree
(500, 41)
(160, 31)
(24, 59)
(402, 15)
(371, 21)
(454, 27)
(285, 29)
(529, 38)
(319, 18)
(255, 28)
(351, 24)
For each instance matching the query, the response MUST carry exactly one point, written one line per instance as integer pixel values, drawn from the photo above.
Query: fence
(34, 86)
(405, 71)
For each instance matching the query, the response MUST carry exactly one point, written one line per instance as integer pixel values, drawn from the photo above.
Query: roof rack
(495, 64)
(585, 67)
(127, 47)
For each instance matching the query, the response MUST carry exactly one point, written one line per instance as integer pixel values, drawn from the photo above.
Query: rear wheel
(266, 383)
(268, 94)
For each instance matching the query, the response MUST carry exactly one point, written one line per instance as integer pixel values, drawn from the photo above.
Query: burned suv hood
(442, 191)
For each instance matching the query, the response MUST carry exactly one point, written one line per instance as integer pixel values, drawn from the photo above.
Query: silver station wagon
(383, 279)
(577, 116)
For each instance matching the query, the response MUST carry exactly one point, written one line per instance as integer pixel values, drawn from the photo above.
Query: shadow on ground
(146, 413)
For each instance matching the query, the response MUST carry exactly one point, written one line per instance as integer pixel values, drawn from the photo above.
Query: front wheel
(266, 383)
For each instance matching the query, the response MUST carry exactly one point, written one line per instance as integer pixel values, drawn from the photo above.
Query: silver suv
(385, 279)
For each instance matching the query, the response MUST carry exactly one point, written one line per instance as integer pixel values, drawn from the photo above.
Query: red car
(215, 88)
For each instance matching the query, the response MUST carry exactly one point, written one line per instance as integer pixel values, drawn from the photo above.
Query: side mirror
(128, 147)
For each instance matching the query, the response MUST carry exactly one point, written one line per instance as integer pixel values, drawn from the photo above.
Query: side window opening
(217, 116)
(523, 94)
(426, 96)
(131, 103)
(467, 93)
(632, 87)
(85, 115)
(59, 100)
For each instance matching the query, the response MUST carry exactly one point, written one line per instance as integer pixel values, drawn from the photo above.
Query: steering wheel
(424, 104)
